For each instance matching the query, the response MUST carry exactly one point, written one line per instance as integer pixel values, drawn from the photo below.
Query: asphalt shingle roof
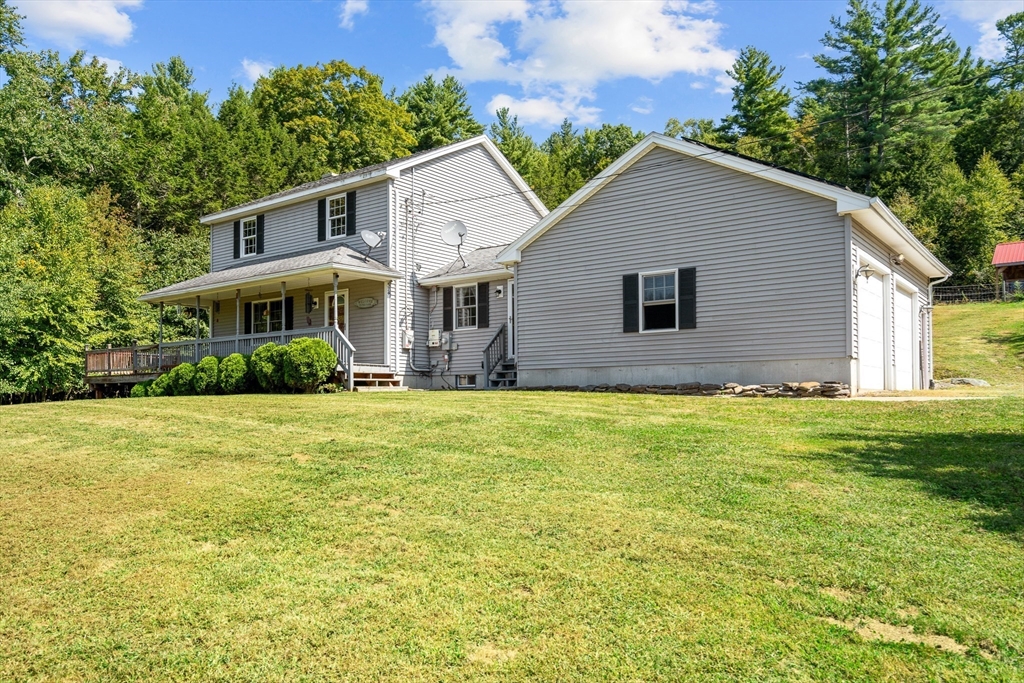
(335, 257)
(477, 261)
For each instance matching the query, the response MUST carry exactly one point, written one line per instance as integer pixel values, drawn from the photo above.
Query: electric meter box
(408, 339)
(434, 338)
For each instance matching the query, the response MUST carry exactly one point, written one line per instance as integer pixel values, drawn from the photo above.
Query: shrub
(266, 364)
(160, 386)
(205, 380)
(180, 380)
(141, 390)
(235, 375)
(307, 363)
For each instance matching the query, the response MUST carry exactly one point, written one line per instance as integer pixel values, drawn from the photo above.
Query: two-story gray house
(295, 264)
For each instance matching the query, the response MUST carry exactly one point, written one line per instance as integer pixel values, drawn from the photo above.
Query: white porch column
(336, 325)
(160, 340)
(195, 359)
(238, 319)
(282, 312)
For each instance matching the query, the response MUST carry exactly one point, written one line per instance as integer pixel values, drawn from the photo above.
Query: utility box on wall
(408, 339)
(448, 343)
(434, 338)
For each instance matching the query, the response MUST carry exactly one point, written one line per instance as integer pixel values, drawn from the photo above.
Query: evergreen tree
(440, 112)
(516, 144)
(760, 123)
(885, 88)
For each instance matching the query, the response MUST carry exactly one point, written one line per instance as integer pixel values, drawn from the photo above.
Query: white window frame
(255, 236)
(343, 216)
(460, 385)
(475, 306)
(267, 302)
(675, 300)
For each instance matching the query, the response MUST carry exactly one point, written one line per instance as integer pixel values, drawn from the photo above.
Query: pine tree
(760, 124)
(516, 144)
(440, 112)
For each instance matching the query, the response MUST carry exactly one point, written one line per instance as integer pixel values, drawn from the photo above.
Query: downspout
(926, 311)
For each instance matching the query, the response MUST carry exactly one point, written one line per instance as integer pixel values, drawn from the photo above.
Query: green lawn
(981, 340)
(510, 536)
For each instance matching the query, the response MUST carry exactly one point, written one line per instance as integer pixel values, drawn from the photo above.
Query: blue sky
(635, 62)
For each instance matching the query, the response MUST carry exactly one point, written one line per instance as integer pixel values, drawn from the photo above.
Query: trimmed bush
(235, 376)
(308, 363)
(141, 390)
(180, 379)
(266, 364)
(205, 380)
(161, 386)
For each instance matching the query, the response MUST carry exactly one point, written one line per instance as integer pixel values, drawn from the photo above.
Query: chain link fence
(962, 294)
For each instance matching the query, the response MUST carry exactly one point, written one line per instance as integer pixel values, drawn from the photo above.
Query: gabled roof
(340, 258)
(1008, 254)
(478, 262)
(371, 174)
(870, 212)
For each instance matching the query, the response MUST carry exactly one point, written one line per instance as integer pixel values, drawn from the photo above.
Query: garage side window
(659, 301)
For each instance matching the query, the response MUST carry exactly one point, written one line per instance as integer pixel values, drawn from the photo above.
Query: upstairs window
(336, 213)
(250, 240)
(465, 307)
(659, 302)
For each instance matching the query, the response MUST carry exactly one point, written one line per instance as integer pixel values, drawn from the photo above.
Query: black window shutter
(321, 220)
(483, 304)
(448, 319)
(248, 317)
(238, 237)
(259, 234)
(686, 298)
(350, 213)
(289, 313)
(631, 303)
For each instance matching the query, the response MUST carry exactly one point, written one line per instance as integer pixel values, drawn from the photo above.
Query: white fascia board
(880, 221)
(227, 285)
(459, 278)
(319, 191)
(495, 153)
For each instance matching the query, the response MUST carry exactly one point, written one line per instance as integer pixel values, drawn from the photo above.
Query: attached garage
(871, 326)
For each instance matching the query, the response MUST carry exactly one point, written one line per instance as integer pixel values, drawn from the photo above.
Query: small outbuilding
(1008, 261)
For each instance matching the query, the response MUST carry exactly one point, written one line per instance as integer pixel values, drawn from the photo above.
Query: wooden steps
(379, 388)
(374, 377)
(504, 376)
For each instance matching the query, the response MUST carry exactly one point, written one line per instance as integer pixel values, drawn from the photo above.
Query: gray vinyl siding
(292, 229)
(468, 358)
(770, 260)
(876, 249)
(490, 205)
(366, 325)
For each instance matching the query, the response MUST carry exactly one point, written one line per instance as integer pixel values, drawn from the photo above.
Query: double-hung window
(465, 307)
(336, 216)
(267, 316)
(659, 301)
(249, 236)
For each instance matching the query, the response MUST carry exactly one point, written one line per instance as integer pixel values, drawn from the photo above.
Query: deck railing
(495, 353)
(157, 358)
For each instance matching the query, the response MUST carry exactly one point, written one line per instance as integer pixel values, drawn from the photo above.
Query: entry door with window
(342, 310)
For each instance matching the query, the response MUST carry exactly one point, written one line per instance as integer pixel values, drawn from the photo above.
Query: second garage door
(903, 339)
(871, 333)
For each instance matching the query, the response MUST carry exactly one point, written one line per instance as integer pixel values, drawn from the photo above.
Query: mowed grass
(985, 341)
(509, 536)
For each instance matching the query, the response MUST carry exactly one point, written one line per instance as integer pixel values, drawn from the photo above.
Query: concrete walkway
(923, 398)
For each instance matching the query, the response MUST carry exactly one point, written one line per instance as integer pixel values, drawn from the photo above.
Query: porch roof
(301, 267)
(478, 262)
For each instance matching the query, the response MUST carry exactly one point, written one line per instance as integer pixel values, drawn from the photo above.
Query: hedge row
(301, 365)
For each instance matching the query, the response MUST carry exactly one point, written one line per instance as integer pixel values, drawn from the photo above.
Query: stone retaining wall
(784, 390)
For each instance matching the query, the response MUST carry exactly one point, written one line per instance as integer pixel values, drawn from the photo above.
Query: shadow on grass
(1013, 341)
(983, 469)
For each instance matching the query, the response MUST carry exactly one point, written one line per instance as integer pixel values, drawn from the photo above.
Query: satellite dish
(453, 234)
(371, 239)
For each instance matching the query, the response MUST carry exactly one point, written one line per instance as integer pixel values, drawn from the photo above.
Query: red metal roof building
(1008, 260)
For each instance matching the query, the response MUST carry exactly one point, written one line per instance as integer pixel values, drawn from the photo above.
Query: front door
(511, 318)
(342, 310)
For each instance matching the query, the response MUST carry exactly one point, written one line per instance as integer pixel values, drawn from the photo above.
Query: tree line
(104, 173)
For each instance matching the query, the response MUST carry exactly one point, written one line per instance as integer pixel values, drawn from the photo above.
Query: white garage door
(871, 333)
(903, 339)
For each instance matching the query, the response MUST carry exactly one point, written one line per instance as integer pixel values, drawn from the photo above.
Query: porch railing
(157, 358)
(495, 353)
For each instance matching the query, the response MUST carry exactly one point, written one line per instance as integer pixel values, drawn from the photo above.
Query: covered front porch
(338, 296)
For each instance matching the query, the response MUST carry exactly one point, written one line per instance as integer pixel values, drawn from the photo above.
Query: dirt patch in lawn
(872, 629)
(488, 654)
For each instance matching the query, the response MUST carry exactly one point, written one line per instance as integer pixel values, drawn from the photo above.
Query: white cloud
(557, 52)
(546, 110)
(350, 9)
(69, 22)
(253, 69)
(113, 65)
(698, 85)
(725, 84)
(643, 105)
(984, 16)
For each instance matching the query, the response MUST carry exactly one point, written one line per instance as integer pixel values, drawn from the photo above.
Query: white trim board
(869, 212)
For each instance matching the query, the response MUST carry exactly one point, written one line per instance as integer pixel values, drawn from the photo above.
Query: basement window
(465, 382)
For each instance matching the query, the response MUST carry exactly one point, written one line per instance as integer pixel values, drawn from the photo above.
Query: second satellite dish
(371, 239)
(453, 233)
